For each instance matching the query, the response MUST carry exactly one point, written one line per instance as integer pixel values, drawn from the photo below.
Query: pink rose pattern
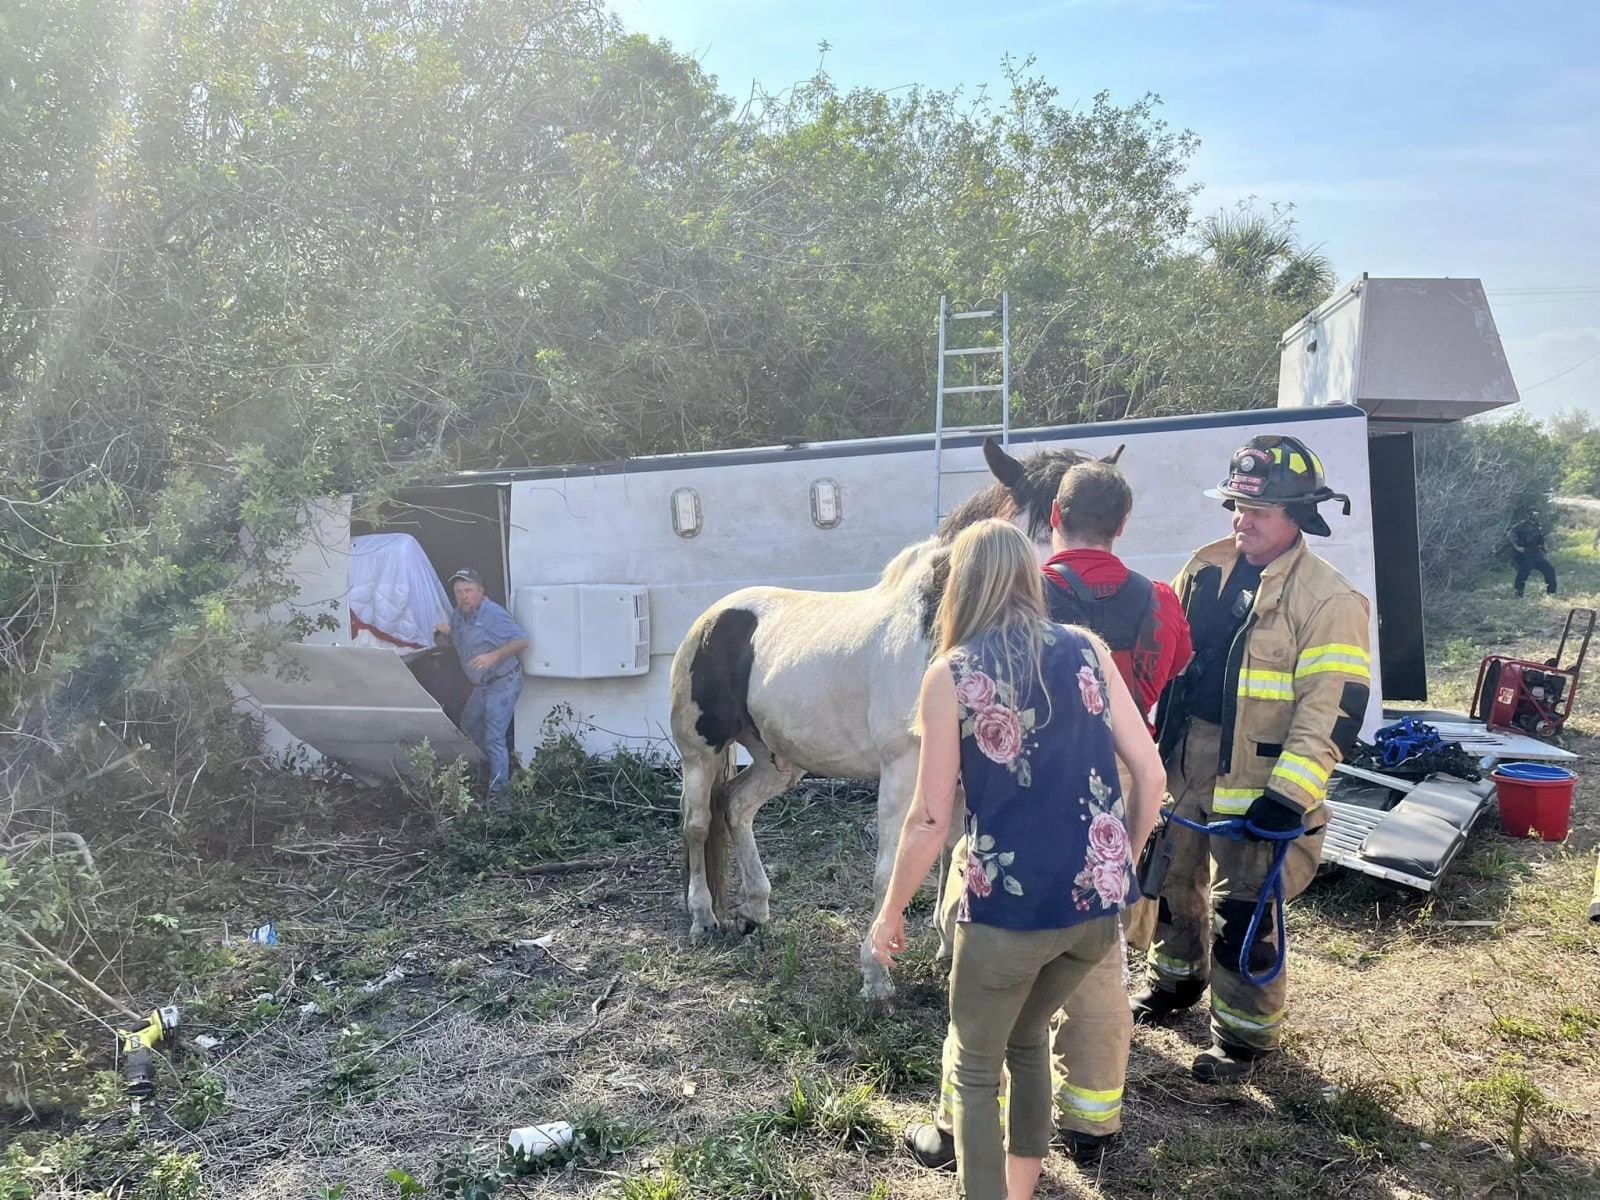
(998, 733)
(1092, 687)
(985, 865)
(1089, 687)
(989, 715)
(1107, 874)
(975, 690)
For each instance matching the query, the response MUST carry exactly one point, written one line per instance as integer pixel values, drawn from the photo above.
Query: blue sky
(1414, 137)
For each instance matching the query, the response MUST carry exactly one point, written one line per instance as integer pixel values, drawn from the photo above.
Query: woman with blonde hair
(1030, 718)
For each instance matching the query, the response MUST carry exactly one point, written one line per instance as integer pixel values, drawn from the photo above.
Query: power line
(1558, 375)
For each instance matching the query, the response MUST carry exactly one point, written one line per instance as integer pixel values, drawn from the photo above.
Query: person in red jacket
(1141, 619)
(1143, 623)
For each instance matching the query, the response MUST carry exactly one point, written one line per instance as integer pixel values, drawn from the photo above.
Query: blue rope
(1404, 740)
(1236, 829)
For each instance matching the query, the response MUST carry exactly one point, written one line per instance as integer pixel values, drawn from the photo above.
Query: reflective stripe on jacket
(1299, 673)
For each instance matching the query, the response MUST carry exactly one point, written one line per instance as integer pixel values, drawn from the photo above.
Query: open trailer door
(359, 706)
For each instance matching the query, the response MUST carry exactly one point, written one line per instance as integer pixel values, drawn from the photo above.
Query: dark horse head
(1024, 486)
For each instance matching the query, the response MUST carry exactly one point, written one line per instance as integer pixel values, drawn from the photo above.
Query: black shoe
(1085, 1149)
(1156, 1004)
(931, 1146)
(1227, 1064)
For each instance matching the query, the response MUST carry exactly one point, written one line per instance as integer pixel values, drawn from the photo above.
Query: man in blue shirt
(487, 640)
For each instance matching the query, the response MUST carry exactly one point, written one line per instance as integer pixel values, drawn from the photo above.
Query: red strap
(357, 625)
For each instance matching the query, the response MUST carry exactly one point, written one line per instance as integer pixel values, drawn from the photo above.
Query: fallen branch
(577, 866)
(71, 972)
(31, 980)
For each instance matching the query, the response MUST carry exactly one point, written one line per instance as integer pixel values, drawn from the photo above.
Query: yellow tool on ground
(138, 1047)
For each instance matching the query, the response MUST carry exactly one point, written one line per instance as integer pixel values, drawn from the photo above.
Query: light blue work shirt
(487, 629)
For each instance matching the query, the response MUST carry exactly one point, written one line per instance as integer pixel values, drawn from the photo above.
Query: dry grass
(1414, 1044)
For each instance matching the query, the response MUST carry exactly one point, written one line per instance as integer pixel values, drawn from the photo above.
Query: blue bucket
(1534, 772)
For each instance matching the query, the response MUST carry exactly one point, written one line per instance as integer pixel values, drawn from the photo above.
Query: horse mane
(902, 563)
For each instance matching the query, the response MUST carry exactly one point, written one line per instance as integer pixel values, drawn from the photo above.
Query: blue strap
(1237, 829)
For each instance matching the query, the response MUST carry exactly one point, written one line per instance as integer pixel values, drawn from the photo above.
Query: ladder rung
(973, 316)
(978, 350)
(975, 387)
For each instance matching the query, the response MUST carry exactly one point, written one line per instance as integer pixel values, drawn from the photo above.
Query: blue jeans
(487, 719)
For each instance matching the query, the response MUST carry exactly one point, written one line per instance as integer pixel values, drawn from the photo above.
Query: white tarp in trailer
(692, 528)
(395, 596)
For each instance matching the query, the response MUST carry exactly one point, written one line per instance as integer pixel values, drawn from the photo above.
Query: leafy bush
(1475, 479)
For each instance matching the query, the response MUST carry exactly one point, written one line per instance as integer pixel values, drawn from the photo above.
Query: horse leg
(763, 779)
(897, 783)
(700, 768)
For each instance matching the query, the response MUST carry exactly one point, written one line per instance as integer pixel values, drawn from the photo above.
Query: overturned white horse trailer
(606, 566)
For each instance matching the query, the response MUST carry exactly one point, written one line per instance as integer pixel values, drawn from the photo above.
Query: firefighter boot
(931, 1146)
(1225, 1063)
(1156, 1004)
(1085, 1149)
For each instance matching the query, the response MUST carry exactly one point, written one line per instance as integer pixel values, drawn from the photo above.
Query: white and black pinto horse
(822, 683)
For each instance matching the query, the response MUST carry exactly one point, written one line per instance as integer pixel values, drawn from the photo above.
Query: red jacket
(1103, 572)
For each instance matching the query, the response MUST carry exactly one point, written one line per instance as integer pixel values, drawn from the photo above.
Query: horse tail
(719, 840)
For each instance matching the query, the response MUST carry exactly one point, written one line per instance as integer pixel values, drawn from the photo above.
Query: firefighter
(1527, 542)
(1274, 697)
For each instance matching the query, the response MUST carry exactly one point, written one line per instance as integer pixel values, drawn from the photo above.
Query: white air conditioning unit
(585, 630)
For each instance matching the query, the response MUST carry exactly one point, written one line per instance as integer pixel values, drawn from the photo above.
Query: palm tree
(1260, 249)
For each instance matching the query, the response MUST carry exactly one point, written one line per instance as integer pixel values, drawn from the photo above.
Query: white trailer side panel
(615, 526)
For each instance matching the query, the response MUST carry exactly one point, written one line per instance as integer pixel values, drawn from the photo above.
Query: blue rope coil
(1237, 829)
(1405, 739)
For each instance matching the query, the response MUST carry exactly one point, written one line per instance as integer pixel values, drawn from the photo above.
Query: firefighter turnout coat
(1296, 684)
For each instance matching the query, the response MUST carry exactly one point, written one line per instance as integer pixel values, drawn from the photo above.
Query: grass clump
(819, 1106)
(740, 1166)
(1359, 1112)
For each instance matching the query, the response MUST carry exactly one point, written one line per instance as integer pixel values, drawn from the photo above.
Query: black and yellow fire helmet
(1279, 470)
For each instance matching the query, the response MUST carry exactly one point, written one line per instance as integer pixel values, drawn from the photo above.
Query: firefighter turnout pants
(1207, 900)
(1089, 1036)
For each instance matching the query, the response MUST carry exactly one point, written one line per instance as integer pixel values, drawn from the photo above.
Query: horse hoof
(700, 934)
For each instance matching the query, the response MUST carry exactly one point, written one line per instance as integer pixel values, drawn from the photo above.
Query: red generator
(1515, 695)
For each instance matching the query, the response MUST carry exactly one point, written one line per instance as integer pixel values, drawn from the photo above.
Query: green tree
(256, 253)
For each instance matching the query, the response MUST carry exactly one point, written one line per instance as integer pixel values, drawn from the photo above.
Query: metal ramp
(978, 352)
(1413, 831)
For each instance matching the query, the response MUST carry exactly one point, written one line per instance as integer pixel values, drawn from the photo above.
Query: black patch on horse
(719, 677)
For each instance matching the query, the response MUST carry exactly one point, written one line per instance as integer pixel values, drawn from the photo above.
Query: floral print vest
(1046, 844)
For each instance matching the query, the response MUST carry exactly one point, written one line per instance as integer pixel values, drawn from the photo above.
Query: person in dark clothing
(1527, 543)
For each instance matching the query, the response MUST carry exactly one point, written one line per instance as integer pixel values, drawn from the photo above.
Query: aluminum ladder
(977, 357)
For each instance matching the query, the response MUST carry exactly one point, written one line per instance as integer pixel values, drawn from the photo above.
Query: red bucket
(1535, 798)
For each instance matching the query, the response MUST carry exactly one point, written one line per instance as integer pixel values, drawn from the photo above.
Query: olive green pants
(1089, 1037)
(1005, 985)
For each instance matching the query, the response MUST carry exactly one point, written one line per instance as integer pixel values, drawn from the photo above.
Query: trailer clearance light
(686, 512)
(826, 507)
